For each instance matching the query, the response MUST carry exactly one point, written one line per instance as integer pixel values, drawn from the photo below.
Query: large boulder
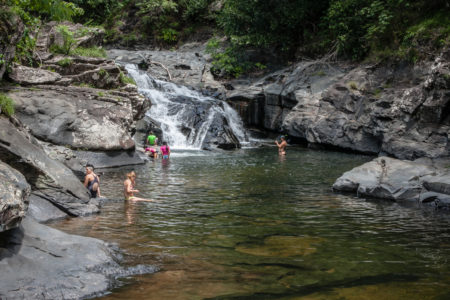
(29, 76)
(39, 262)
(81, 118)
(14, 192)
(390, 178)
(48, 178)
(11, 31)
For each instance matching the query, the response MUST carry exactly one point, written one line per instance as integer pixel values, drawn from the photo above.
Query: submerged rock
(14, 191)
(393, 179)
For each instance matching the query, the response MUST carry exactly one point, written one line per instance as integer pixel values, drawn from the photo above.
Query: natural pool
(251, 225)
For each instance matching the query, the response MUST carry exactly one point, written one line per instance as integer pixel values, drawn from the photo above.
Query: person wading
(281, 145)
(92, 182)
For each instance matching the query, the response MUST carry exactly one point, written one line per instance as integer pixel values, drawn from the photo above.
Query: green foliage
(7, 105)
(103, 73)
(230, 61)
(89, 52)
(281, 23)
(65, 62)
(68, 41)
(101, 94)
(124, 79)
(169, 35)
(56, 10)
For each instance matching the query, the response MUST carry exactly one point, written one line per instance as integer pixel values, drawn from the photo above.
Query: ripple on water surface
(249, 225)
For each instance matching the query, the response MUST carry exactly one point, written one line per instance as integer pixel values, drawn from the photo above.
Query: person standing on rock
(152, 140)
(92, 182)
(165, 150)
(129, 188)
(281, 145)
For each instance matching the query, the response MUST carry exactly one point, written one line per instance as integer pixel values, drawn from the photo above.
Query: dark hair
(165, 143)
(89, 166)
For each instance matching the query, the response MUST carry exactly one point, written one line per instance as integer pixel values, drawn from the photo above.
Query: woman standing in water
(165, 151)
(92, 182)
(129, 190)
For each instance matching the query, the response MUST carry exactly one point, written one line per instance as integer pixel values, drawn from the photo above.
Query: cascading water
(187, 118)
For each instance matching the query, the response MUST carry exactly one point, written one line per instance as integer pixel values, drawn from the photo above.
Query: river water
(251, 225)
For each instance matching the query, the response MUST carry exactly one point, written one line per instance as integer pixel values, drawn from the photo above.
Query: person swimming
(92, 182)
(129, 188)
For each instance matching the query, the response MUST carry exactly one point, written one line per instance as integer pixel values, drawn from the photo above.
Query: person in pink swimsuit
(165, 151)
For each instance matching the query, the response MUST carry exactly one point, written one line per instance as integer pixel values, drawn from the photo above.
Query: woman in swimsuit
(165, 151)
(129, 190)
(92, 182)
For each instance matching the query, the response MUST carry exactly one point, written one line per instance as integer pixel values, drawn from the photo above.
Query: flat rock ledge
(399, 180)
(39, 262)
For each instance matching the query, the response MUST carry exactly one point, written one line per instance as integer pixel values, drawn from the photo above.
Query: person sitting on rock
(152, 140)
(92, 182)
(282, 145)
(129, 188)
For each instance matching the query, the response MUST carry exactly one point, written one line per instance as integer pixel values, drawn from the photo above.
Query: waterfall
(186, 117)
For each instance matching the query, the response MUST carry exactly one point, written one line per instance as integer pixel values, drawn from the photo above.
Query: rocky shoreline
(74, 110)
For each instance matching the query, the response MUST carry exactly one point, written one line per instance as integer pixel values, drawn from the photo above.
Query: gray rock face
(187, 66)
(39, 262)
(27, 76)
(399, 110)
(389, 178)
(11, 30)
(48, 178)
(79, 117)
(43, 211)
(14, 192)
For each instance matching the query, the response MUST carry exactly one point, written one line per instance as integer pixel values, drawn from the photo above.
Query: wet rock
(39, 262)
(48, 178)
(14, 192)
(28, 76)
(397, 180)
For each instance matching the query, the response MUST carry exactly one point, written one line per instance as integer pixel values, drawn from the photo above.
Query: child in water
(151, 152)
(129, 188)
(165, 151)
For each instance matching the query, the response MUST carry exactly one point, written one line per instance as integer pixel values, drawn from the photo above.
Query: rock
(27, 76)
(11, 31)
(398, 180)
(185, 67)
(386, 178)
(84, 118)
(84, 36)
(48, 178)
(14, 192)
(39, 262)
(438, 184)
(43, 211)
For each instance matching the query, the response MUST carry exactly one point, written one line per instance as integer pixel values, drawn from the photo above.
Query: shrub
(89, 52)
(65, 62)
(124, 79)
(7, 105)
